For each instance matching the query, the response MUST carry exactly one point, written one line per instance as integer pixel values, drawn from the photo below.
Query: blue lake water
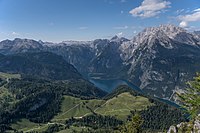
(110, 84)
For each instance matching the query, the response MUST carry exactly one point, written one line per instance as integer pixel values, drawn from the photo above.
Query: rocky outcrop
(186, 127)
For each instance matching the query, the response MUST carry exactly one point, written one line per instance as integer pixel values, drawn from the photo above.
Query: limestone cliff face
(186, 127)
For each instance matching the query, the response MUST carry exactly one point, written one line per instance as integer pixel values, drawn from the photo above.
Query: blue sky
(59, 20)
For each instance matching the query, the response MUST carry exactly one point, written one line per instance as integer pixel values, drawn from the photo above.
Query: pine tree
(191, 98)
(133, 126)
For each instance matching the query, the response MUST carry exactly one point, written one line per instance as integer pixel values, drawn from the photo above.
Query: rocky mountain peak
(19, 45)
(170, 30)
(26, 43)
(166, 33)
(69, 43)
(197, 32)
(118, 39)
(115, 37)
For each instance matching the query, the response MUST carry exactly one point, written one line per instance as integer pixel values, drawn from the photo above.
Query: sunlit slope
(119, 106)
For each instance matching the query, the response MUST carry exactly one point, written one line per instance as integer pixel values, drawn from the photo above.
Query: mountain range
(159, 60)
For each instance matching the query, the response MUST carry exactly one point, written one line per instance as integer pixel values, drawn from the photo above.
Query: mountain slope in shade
(20, 46)
(40, 64)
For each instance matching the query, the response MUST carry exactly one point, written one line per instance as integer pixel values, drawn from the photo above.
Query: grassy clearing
(71, 107)
(73, 129)
(94, 103)
(121, 105)
(9, 76)
(6, 97)
(39, 129)
(24, 125)
(77, 108)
